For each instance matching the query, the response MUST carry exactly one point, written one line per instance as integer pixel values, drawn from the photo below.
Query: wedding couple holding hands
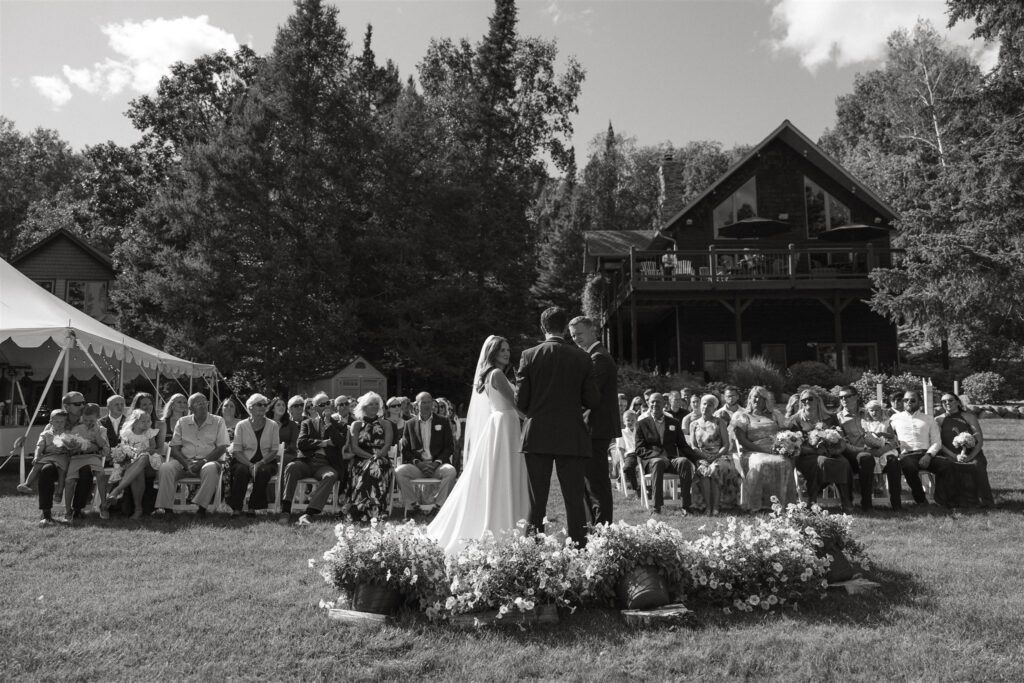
(564, 396)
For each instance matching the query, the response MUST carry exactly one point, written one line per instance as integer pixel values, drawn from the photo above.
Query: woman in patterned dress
(370, 439)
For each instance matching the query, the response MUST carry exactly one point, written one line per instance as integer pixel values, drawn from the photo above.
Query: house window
(719, 356)
(739, 205)
(823, 211)
(91, 297)
(48, 285)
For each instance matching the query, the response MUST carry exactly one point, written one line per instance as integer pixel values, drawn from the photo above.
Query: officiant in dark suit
(602, 421)
(661, 447)
(427, 449)
(554, 383)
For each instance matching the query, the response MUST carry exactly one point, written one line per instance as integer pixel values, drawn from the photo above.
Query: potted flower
(635, 567)
(829, 534)
(513, 576)
(379, 566)
(760, 565)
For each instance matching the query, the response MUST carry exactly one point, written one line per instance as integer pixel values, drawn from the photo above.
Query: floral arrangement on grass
(73, 444)
(399, 556)
(964, 441)
(614, 550)
(829, 439)
(122, 455)
(759, 565)
(819, 526)
(514, 571)
(787, 443)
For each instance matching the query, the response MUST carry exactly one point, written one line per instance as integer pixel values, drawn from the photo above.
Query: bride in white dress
(493, 492)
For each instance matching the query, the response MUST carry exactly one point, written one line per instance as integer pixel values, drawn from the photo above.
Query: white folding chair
(669, 482)
(181, 489)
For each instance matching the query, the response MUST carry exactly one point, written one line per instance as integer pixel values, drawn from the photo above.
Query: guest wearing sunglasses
(256, 440)
(320, 442)
(814, 463)
(970, 462)
(921, 449)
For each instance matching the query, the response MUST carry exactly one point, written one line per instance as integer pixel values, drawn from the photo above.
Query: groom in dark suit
(602, 421)
(555, 382)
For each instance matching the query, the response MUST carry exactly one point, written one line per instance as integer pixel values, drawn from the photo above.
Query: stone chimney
(670, 200)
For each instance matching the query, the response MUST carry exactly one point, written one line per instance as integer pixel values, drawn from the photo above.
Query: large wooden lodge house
(772, 259)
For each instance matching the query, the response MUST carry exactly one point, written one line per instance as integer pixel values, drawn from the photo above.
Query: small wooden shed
(354, 380)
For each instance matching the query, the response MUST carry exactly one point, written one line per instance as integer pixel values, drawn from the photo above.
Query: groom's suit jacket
(554, 382)
(603, 419)
(442, 443)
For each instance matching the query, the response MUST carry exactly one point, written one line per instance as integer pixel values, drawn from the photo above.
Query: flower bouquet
(514, 573)
(827, 439)
(379, 566)
(73, 444)
(787, 443)
(759, 565)
(619, 560)
(964, 441)
(122, 455)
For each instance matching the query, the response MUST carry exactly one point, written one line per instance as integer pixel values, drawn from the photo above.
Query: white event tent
(42, 335)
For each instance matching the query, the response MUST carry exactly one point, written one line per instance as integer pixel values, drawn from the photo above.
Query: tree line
(283, 212)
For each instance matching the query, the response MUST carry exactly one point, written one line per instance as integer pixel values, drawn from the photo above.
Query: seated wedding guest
(675, 407)
(731, 404)
(623, 407)
(318, 435)
(175, 409)
(139, 433)
(94, 458)
(113, 419)
(49, 452)
(144, 401)
(256, 440)
(626, 447)
(815, 463)
(792, 406)
(661, 447)
(288, 434)
(692, 415)
(709, 435)
(861, 449)
(921, 449)
(370, 440)
(343, 410)
(199, 440)
(969, 461)
(895, 404)
(427, 448)
(765, 472)
(637, 406)
(446, 410)
(307, 409)
(76, 496)
(395, 415)
(229, 412)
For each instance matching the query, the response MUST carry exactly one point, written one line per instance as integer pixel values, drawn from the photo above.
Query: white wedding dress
(492, 494)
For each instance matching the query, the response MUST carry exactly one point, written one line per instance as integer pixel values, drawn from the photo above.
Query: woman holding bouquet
(710, 438)
(962, 441)
(821, 460)
(767, 472)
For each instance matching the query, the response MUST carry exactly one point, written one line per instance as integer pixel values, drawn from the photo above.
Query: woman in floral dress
(710, 439)
(766, 473)
(370, 439)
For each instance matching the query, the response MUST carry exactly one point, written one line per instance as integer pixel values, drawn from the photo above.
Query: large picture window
(719, 356)
(91, 297)
(823, 211)
(739, 205)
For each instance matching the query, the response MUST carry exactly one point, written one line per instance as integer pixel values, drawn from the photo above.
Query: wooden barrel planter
(542, 614)
(375, 599)
(840, 568)
(642, 588)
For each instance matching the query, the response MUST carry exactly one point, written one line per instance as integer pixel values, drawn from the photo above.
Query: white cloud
(144, 52)
(52, 88)
(847, 32)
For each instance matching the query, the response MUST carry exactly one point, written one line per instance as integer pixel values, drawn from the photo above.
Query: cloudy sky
(677, 70)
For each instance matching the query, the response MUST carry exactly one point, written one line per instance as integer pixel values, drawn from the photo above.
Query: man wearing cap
(73, 403)
(200, 438)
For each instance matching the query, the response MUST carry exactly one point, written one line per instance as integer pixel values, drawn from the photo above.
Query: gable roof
(603, 243)
(794, 138)
(92, 251)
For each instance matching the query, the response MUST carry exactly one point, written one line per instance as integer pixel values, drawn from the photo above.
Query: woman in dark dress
(820, 464)
(969, 461)
(370, 439)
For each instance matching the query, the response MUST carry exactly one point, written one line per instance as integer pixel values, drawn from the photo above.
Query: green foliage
(614, 550)
(867, 385)
(593, 297)
(811, 372)
(632, 382)
(984, 387)
(756, 371)
(620, 184)
(555, 218)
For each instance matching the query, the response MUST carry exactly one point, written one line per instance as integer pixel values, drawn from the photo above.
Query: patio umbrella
(855, 232)
(754, 226)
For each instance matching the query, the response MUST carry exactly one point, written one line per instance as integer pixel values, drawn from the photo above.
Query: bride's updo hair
(489, 359)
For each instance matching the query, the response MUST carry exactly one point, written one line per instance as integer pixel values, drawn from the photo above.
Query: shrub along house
(772, 259)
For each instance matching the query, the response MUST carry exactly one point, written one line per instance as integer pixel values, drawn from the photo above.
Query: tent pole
(191, 377)
(93, 361)
(120, 376)
(156, 400)
(67, 370)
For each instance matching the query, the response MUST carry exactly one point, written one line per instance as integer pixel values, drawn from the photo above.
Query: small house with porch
(772, 259)
(354, 380)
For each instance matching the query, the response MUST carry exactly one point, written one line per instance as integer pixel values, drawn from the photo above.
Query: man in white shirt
(199, 440)
(427, 449)
(920, 449)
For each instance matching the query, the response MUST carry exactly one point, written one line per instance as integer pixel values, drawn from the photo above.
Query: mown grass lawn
(219, 599)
